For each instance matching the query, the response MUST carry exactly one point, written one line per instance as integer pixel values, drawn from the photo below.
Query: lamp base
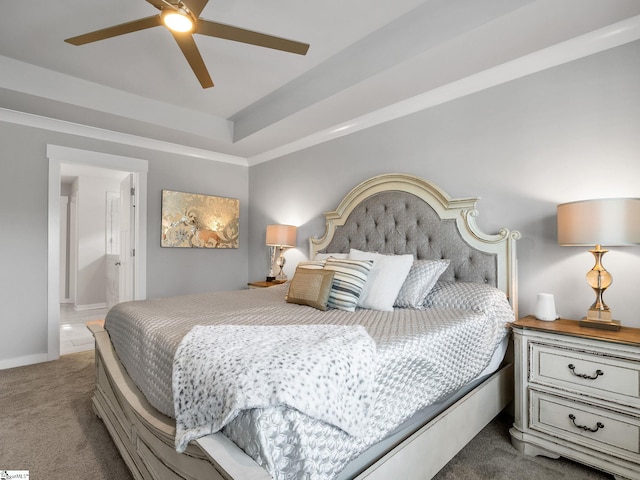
(600, 324)
(599, 315)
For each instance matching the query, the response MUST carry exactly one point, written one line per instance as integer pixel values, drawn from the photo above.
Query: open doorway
(95, 272)
(86, 279)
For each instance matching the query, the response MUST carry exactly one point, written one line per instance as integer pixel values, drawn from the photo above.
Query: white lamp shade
(281, 235)
(607, 221)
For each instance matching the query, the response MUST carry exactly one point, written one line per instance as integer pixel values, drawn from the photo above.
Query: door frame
(58, 155)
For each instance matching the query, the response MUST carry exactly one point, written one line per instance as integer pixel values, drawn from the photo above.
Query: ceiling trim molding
(599, 40)
(55, 86)
(62, 126)
(605, 38)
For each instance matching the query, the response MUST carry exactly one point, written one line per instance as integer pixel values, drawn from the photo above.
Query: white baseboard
(91, 306)
(22, 361)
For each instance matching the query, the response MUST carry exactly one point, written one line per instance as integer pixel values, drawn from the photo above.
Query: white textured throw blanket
(324, 371)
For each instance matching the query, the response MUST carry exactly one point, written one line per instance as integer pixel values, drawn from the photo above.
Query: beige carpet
(47, 426)
(490, 456)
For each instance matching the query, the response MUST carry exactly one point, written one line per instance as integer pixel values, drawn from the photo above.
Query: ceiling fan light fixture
(182, 21)
(177, 20)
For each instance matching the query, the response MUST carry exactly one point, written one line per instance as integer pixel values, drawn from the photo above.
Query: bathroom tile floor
(74, 334)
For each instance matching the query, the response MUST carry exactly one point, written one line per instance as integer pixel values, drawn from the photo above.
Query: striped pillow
(348, 282)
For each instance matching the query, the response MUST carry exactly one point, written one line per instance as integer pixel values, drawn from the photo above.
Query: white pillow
(324, 256)
(385, 278)
(312, 264)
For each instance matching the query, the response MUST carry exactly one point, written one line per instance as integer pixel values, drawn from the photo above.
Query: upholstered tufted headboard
(399, 214)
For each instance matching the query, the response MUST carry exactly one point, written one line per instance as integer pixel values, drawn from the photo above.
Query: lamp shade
(606, 221)
(281, 235)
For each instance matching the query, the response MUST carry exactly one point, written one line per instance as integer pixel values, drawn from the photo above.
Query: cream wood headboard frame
(462, 210)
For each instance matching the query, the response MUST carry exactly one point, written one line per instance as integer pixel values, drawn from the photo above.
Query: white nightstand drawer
(586, 372)
(589, 425)
(577, 394)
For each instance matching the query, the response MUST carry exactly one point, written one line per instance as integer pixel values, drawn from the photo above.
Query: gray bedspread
(422, 356)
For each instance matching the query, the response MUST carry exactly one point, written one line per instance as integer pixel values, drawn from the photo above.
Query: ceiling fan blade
(228, 32)
(192, 54)
(159, 4)
(116, 30)
(195, 6)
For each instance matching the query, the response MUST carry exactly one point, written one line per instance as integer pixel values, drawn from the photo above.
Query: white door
(64, 217)
(113, 247)
(127, 219)
(73, 247)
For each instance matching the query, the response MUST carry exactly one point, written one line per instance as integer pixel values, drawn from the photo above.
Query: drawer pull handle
(572, 367)
(599, 425)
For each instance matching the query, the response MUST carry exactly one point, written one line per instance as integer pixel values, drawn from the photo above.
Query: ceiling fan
(181, 17)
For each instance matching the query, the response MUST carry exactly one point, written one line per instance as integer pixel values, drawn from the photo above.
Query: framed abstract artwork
(191, 220)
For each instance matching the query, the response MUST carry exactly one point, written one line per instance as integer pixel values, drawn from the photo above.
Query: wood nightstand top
(626, 335)
(265, 284)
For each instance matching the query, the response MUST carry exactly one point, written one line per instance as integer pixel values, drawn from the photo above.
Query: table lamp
(281, 237)
(607, 221)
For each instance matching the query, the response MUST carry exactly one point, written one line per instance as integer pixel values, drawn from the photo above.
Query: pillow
(324, 256)
(312, 264)
(385, 279)
(476, 297)
(422, 277)
(310, 287)
(348, 282)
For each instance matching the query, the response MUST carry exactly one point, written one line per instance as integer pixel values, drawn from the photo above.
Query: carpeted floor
(47, 426)
(490, 456)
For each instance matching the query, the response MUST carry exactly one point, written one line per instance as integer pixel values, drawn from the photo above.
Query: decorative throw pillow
(310, 287)
(476, 297)
(348, 282)
(422, 277)
(324, 256)
(385, 279)
(312, 264)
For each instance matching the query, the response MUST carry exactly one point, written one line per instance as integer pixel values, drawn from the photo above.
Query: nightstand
(578, 394)
(265, 284)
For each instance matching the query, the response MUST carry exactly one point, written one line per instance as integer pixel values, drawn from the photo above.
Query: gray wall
(563, 134)
(23, 242)
(173, 271)
(567, 133)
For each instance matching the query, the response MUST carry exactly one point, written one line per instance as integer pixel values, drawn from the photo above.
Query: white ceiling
(370, 60)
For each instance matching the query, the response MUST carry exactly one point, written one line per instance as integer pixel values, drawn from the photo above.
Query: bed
(393, 215)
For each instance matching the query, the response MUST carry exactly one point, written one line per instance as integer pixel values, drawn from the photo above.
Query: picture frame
(192, 220)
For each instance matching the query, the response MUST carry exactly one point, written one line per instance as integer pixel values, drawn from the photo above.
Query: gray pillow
(475, 297)
(422, 277)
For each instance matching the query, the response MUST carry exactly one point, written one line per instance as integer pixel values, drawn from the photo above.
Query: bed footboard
(145, 438)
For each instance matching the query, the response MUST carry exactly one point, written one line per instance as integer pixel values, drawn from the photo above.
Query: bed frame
(393, 213)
